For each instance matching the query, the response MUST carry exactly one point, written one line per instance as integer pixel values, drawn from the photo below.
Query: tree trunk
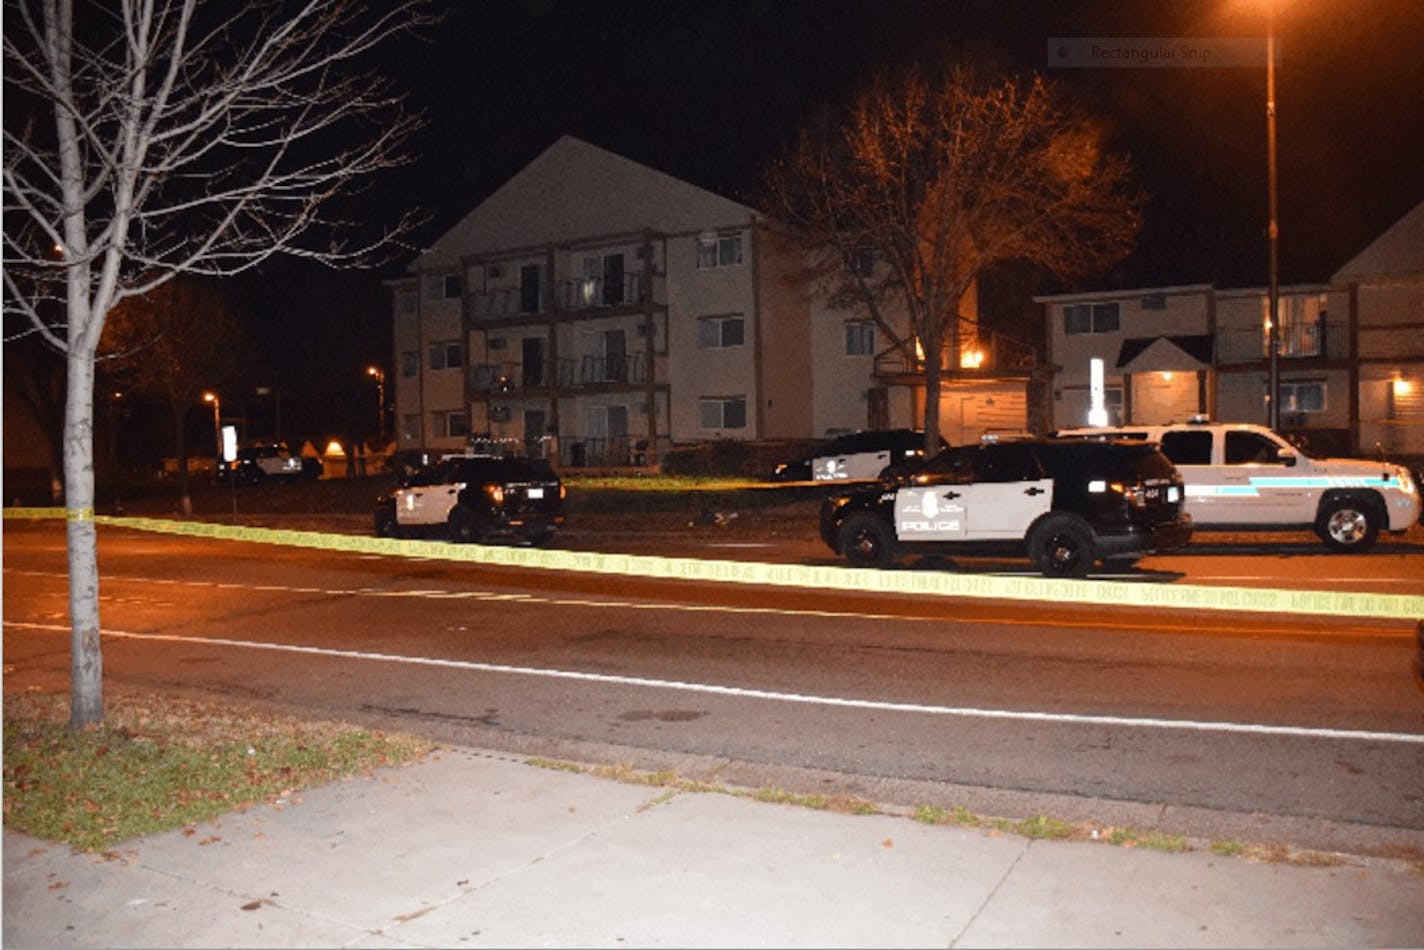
(86, 662)
(180, 420)
(933, 345)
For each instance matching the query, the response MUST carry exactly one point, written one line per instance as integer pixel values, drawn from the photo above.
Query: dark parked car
(858, 456)
(257, 463)
(476, 498)
(1066, 504)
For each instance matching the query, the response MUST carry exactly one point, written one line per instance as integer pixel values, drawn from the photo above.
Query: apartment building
(598, 312)
(1350, 358)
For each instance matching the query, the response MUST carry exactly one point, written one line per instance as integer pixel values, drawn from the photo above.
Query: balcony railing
(591, 293)
(1317, 340)
(1000, 354)
(613, 452)
(603, 370)
(572, 373)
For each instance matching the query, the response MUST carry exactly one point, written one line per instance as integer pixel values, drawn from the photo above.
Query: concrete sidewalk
(479, 849)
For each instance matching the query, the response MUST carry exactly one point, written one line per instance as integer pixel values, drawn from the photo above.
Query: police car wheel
(1062, 548)
(1347, 525)
(463, 528)
(866, 541)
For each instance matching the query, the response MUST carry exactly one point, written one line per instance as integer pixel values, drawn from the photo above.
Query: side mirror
(1287, 457)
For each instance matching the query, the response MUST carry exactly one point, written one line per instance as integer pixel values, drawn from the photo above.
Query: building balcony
(1320, 340)
(997, 355)
(580, 295)
(570, 375)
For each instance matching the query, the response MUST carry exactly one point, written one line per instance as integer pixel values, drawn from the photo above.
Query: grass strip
(160, 762)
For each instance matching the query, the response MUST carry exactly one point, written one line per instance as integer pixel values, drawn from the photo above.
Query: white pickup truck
(1247, 477)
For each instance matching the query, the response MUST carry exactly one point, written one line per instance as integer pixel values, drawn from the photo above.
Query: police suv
(475, 498)
(1067, 504)
(1247, 477)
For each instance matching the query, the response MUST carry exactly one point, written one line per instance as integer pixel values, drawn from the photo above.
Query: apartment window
(718, 333)
(723, 412)
(719, 250)
(410, 428)
(410, 364)
(603, 284)
(860, 338)
(452, 425)
(531, 297)
(1303, 396)
(443, 287)
(1090, 318)
(446, 355)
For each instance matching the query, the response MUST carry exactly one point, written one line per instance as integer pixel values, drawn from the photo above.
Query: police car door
(1010, 491)
(1263, 488)
(993, 492)
(428, 498)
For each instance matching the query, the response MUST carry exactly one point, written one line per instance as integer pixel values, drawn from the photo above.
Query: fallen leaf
(888, 843)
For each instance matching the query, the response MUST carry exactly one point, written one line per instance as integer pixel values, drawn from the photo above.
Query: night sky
(711, 91)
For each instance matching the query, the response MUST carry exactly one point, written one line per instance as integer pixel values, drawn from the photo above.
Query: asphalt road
(1218, 726)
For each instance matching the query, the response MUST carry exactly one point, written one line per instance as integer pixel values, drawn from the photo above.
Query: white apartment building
(600, 312)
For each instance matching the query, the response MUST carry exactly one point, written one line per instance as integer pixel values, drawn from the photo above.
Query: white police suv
(1242, 477)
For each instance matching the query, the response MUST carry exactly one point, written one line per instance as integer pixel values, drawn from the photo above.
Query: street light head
(210, 397)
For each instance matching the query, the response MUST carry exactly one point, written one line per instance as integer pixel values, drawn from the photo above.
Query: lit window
(1303, 397)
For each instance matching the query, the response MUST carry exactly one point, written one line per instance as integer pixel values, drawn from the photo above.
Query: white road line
(744, 693)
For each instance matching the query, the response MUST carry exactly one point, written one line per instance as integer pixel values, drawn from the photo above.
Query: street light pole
(217, 426)
(1272, 226)
(380, 375)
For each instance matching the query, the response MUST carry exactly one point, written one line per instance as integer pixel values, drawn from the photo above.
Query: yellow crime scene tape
(828, 577)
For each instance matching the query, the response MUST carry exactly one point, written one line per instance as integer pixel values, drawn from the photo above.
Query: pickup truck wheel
(1062, 548)
(866, 541)
(1348, 524)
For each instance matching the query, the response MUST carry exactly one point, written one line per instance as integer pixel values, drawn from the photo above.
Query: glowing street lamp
(380, 376)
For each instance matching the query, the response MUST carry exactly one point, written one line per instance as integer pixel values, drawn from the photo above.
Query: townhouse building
(598, 312)
(1350, 358)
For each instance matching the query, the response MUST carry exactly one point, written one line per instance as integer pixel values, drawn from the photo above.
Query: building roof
(574, 189)
(1148, 353)
(1398, 252)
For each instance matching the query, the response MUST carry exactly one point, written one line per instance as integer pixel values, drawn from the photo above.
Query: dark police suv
(1067, 504)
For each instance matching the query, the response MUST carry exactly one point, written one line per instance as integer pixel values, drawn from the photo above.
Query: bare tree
(179, 137)
(180, 339)
(938, 177)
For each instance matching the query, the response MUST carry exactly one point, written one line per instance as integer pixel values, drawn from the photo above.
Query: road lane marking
(740, 692)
